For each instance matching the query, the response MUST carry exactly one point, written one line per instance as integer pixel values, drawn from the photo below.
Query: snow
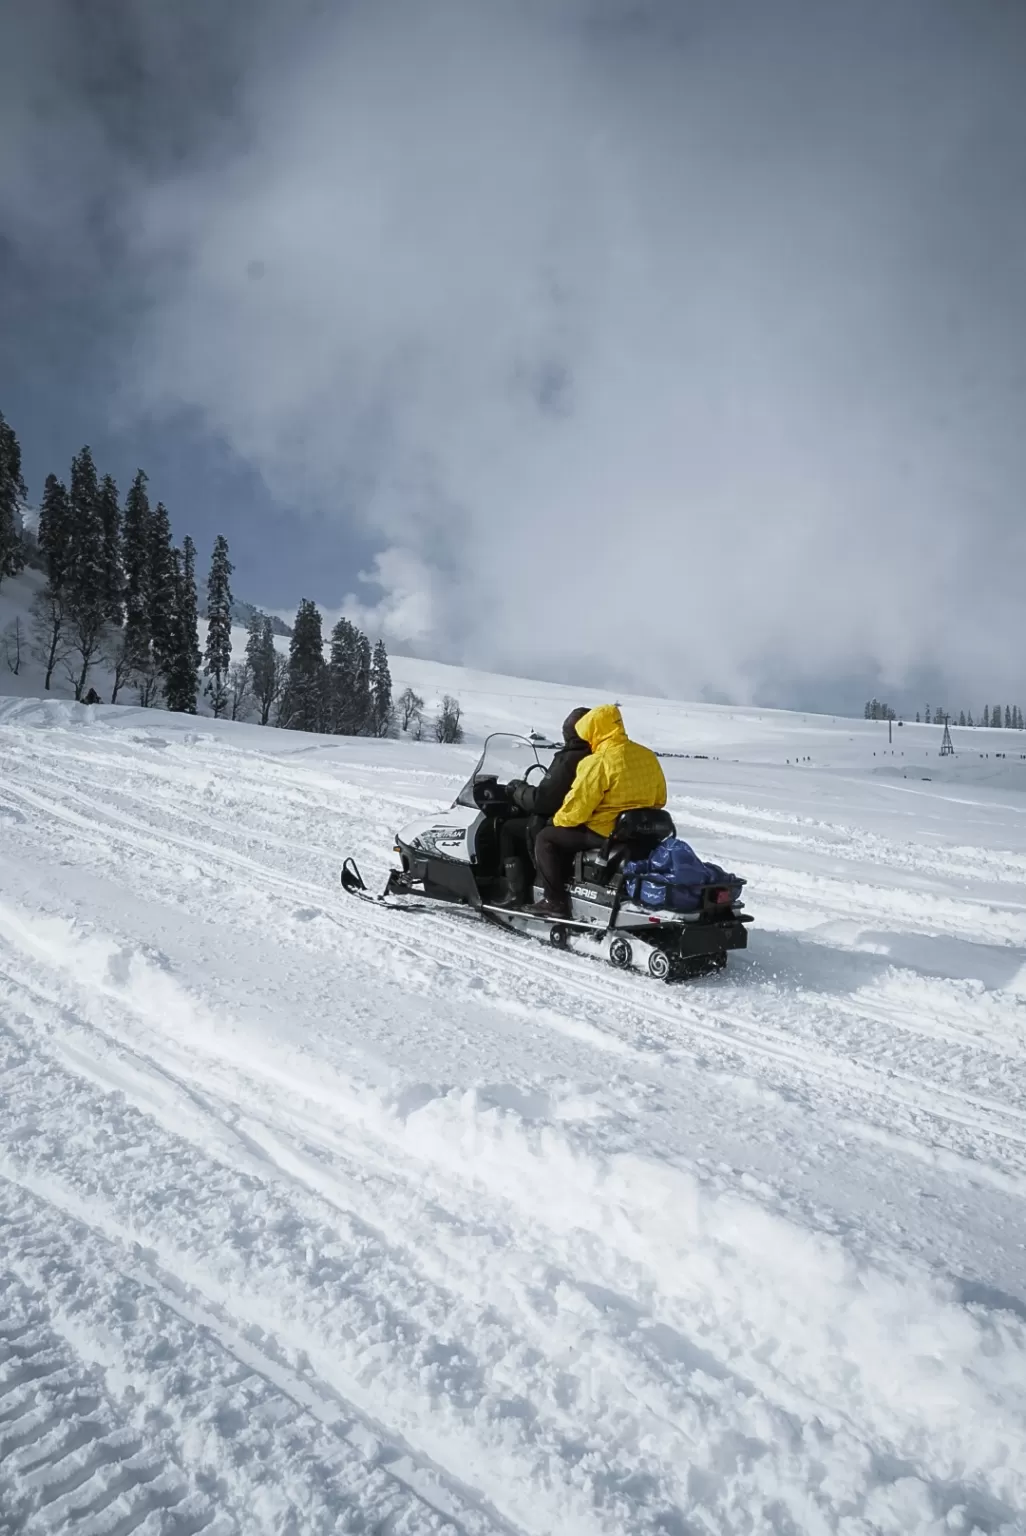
(316, 1218)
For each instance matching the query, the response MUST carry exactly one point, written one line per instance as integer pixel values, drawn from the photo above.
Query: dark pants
(553, 853)
(515, 838)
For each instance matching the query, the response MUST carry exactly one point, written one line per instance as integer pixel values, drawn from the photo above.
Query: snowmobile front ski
(353, 884)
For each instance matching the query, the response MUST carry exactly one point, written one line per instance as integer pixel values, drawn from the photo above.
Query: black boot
(516, 884)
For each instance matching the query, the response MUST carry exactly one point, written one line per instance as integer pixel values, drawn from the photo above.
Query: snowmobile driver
(538, 803)
(619, 775)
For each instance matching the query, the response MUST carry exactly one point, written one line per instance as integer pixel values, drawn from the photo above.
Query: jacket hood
(602, 726)
(571, 737)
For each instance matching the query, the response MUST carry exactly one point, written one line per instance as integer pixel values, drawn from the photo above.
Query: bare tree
(87, 632)
(239, 688)
(409, 705)
(51, 642)
(14, 636)
(447, 726)
(280, 700)
(115, 656)
(147, 680)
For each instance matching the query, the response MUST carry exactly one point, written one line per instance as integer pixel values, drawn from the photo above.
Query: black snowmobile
(452, 859)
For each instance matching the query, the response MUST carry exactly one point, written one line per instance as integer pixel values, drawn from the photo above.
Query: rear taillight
(723, 898)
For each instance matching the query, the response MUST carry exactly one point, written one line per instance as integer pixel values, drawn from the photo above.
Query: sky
(647, 343)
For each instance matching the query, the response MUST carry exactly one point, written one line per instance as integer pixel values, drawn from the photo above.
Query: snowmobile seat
(636, 835)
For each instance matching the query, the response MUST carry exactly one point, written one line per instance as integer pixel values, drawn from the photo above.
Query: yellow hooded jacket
(619, 775)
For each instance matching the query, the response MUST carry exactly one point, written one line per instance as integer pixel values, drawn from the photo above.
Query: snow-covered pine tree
(342, 667)
(926, 717)
(917, 717)
(351, 707)
(12, 494)
(136, 557)
(263, 664)
(188, 607)
(1008, 717)
(969, 718)
(307, 690)
(363, 701)
(219, 626)
(110, 518)
(995, 716)
(183, 667)
(961, 717)
(86, 576)
(162, 598)
(55, 532)
(986, 715)
(382, 708)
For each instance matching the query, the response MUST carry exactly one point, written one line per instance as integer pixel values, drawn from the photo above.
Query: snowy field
(315, 1218)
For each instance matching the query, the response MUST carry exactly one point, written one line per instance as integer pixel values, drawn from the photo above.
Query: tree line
(1008, 716)
(121, 595)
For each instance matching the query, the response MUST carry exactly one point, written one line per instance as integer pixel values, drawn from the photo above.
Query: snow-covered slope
(315, 1218)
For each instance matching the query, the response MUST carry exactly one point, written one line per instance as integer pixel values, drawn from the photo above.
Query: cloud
(660, 344)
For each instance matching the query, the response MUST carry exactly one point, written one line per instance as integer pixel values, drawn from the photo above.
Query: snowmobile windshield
(504, 758)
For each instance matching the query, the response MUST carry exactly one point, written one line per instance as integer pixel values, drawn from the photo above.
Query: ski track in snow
(319, 1218)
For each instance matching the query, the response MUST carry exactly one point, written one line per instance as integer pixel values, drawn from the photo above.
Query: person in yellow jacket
(619, 775)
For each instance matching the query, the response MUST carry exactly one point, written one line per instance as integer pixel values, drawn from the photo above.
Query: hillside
(315, 1217)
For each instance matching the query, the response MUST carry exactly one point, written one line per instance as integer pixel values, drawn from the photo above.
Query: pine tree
(86, 577)
(110, 517)
(342, 669)
(351, 704)
(162, 591)
(86, 574)
(927, 716)
(969, 718)
(55, 532)
(917, 717)
(1008, 717)
(263, 661)
(995, 717)
(184, 663)
(12, 494)
(363, 701)
(136, 556)
(961, 717)
(986, 715)
(219, 626)
(307, 686)
(382, 709)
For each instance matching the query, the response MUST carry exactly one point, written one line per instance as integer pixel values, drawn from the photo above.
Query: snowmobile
(452, 859)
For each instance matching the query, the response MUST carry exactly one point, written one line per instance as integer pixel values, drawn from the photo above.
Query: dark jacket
(544, 797)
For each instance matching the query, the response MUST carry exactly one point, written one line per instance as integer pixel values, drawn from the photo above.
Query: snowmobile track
(319, 1219)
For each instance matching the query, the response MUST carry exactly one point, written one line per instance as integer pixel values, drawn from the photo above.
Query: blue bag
(673, 877)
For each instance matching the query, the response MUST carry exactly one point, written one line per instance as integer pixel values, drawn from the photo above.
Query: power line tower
(947, 745)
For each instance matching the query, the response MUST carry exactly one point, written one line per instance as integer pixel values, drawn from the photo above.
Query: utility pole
(947, 746)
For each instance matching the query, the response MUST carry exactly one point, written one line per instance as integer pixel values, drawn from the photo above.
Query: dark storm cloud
(678, 342)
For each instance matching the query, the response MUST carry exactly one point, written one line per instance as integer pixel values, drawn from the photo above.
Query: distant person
(619, 775)
(92, 697)
(538, 803)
